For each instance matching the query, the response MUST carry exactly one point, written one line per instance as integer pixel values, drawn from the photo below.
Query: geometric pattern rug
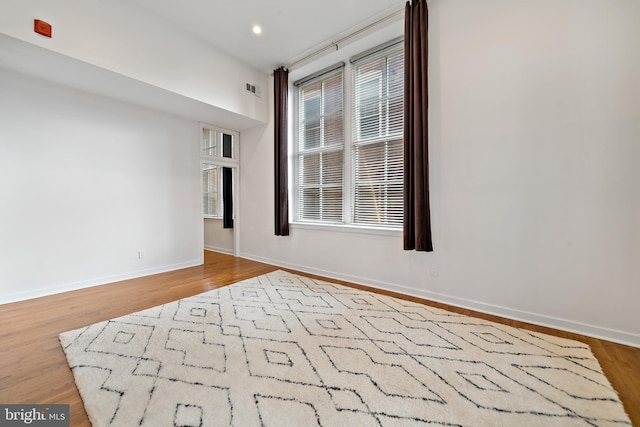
(286, 350)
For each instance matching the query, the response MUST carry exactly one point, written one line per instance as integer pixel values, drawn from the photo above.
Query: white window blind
(320, 149)
(377, 150)
(211, 194)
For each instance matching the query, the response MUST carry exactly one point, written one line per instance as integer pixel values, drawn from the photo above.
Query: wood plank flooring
(33, 368)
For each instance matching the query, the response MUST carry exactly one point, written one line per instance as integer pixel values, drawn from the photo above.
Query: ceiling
(291, 29)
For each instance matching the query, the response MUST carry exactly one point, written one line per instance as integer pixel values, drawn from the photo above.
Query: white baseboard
(616, 336)
(43, 292)
(216, 249)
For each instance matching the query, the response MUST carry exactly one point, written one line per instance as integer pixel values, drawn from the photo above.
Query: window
(216, 144)
(217, 155)
(320, 149)
(356, 180)
(377, 138)
(211, 190)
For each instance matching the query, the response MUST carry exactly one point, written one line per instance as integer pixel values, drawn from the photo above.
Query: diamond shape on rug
(286, 350)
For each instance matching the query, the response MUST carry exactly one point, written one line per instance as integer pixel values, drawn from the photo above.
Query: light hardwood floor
(33, 368)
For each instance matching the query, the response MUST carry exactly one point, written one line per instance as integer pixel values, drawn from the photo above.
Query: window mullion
(348, 164)
(322, 146)
(321, 187)
(386, 180)
(321, 155)
(386, 144)
(386, 98)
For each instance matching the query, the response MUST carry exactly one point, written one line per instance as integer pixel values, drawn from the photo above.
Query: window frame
(218, 190)
(220, 162)
(349, 131)
(386, 137)
(321, 150)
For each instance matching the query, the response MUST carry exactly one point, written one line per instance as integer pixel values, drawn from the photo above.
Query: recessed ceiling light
(257, 29)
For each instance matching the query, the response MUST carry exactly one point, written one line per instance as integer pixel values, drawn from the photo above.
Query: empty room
(356, 212)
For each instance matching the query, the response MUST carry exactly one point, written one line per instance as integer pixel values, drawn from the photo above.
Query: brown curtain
(281, 92)
(417, 217)
(227, 183)
(227, 198)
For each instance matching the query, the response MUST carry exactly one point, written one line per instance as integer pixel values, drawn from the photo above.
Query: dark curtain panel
(281, 92)
(417, 217)
(227, 197)
(227, 183)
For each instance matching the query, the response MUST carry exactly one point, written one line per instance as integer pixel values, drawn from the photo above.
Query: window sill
(344, 228)
(215, 218)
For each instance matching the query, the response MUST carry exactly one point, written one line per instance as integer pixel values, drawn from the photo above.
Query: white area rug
(285, 350)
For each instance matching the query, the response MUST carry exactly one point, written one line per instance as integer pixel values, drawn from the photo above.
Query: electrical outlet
(435, 270)
(140, 254)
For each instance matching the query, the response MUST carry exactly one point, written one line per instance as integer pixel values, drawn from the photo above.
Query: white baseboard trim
(616, 336)
(216, 249)
(43, 292)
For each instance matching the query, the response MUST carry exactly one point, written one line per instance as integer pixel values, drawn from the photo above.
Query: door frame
(234, 164)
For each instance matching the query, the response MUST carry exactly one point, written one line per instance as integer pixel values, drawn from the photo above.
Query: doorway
(219, 167)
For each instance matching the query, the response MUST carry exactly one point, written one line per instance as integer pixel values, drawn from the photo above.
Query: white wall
(85, 183)
(122, 37)
(216, 237)
(535, 169)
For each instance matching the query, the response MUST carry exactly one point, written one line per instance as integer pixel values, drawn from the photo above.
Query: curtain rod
(322, 72)
(335, 45)
(396, 41)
